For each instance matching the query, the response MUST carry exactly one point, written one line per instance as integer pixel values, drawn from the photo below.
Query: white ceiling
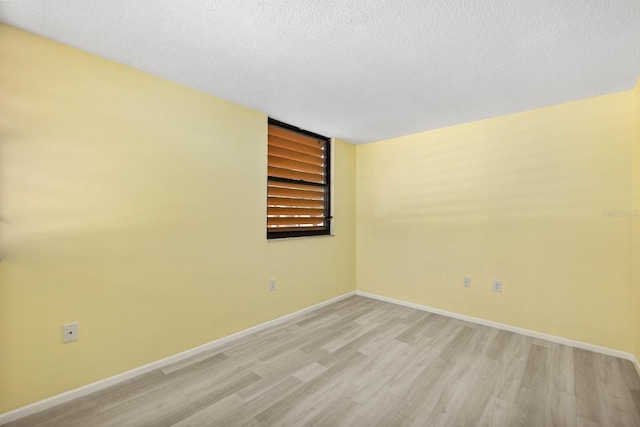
(361, 70)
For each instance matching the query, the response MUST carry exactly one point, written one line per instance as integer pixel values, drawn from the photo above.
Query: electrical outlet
(272, 285)
(70, 332)
(467, 282)
(497, 286)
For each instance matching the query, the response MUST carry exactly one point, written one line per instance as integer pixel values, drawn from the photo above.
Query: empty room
(319, 213)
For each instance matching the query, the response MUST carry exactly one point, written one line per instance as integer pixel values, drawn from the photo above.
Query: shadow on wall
(514, 167)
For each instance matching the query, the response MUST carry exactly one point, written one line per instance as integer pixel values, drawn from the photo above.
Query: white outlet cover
(272, 284)
(467, 282)
(497, 286)
(70, 332)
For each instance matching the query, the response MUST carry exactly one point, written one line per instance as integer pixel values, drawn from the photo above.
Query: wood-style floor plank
(497, 412)
(363, 362)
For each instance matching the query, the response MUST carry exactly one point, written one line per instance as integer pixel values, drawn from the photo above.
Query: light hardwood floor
(363, 362)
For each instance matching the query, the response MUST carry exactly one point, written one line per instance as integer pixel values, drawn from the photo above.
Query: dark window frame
(326, 230)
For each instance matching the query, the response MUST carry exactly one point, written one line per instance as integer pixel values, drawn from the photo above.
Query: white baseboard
(522, 331)
(107, 382)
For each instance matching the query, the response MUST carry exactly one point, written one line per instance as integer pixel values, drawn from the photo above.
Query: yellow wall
(518, 198)
(636, 217)
(137, 207)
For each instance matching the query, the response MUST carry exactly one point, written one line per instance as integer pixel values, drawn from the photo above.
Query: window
(298, 185)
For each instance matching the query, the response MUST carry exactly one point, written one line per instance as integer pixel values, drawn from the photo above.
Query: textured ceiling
(361, 70)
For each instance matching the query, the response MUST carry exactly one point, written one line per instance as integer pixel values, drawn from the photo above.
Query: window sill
(278, 239)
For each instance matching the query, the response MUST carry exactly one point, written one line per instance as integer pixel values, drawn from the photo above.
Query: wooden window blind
(298, 182)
